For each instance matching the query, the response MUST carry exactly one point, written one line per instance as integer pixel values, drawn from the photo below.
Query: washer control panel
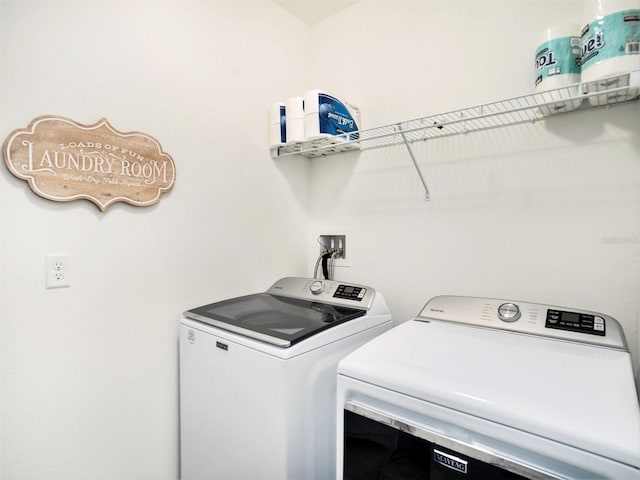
(527, 318)
(324, 291)
(350, 292)
(576, 322)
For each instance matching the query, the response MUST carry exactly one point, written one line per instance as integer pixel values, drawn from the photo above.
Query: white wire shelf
(607, 91)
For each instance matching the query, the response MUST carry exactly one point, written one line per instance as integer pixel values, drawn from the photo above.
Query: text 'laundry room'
(320, 239)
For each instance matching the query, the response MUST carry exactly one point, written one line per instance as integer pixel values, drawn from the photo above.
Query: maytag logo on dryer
(450, 461)
(436, 310)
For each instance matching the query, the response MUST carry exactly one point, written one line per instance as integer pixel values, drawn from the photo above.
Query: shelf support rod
(415, 163)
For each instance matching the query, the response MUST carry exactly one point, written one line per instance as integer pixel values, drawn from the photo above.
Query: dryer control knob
(317, 287)
(508, 312)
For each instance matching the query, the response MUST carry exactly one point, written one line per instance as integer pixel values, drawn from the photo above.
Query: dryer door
(382, 448)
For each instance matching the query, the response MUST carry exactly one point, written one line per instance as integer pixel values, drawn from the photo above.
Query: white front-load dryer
(479, 388)
(258, 378)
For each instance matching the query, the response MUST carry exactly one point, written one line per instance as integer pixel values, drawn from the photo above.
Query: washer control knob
(508, 312)
(317, 287)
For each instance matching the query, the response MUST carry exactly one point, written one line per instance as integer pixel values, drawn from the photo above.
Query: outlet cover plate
(58, 271)
(334, 243)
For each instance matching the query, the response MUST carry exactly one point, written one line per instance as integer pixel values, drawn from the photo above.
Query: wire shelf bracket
(415, 164)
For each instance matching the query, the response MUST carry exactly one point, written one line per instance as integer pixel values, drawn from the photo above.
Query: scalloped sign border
(63, 161)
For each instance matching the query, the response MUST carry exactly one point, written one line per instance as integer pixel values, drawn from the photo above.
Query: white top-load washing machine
(258, 378)
(491, 389)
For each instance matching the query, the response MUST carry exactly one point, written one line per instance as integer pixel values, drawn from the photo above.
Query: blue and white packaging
(327, 116)
(277, 125)
(610, 43)
(294, 110)
(557, 65)
(558, 57)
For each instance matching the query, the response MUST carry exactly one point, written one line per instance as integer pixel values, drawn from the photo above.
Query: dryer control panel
(576, 322)
(529, 318)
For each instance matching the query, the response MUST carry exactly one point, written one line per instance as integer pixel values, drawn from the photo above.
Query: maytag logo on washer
(450, 461)
(191, 336)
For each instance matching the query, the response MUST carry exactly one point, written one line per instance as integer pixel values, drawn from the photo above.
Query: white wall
(89, 373)
(546, 212)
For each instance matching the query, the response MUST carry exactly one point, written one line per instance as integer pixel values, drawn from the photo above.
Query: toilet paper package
(294, 111)
(557, 64)
(327, 116)
(610, 43)
(277, 125)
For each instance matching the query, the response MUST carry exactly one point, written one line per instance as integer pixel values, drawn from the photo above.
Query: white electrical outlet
(58, 271)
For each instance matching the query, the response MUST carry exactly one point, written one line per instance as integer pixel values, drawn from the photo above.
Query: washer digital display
(350, 292)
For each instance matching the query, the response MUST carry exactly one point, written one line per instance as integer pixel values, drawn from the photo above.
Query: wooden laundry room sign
(63, 160)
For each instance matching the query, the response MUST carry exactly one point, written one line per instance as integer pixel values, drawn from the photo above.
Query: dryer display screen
(575, 322)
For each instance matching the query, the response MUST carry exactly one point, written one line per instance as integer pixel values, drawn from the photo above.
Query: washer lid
(573, 393)
(274, 319)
